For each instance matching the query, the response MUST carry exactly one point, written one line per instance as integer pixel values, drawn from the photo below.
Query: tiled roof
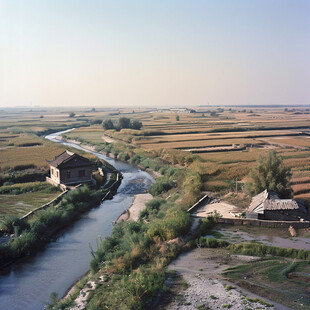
(281, 204)
(271, 201)
(60, 158)
(260, 198)
(69, 159)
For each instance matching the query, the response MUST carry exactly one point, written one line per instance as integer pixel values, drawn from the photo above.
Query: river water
(27, 284)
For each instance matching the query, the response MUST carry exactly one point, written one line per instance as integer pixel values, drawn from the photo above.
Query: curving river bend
(27, 284)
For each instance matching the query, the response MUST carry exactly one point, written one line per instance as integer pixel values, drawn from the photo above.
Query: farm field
(225, 144)
(24, 153)
(19, 205)
(215, 140)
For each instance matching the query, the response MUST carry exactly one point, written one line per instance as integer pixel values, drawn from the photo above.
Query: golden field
(169, 136)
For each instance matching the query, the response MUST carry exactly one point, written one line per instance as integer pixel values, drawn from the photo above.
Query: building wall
(283, 215)
(55, 175)
(75, 175)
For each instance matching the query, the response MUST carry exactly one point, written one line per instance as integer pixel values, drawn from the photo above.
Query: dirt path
(107, 139)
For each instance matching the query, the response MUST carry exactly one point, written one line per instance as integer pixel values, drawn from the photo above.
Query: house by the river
(70, 168)
(268, 206)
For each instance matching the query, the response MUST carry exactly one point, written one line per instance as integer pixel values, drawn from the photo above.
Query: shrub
(212, 243)
(262, 250)
(161, 185)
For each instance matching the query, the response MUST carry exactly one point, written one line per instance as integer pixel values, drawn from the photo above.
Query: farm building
(70, 168)
(268, 206)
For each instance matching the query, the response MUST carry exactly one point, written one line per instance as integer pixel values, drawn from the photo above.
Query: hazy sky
(154, 53)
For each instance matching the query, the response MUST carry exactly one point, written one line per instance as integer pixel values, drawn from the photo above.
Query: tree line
(121, 123)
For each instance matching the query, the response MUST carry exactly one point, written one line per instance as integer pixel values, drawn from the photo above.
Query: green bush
(262, 250)
(212, 243)
(161, 185)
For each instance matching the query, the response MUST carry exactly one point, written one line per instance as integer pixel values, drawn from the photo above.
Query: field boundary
(55, 200)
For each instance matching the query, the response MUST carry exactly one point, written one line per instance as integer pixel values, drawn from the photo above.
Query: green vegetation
(136, 253)
(212, 243)
(283, 280)
(270, 174)
(32, 233)
(254, 249)
(21, 188)
(260, 301)
(121, 123)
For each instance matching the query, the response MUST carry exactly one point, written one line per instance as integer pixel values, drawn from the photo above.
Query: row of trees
(121, 123)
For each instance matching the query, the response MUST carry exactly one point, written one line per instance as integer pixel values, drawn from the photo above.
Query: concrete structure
(70, 168)
(268, 206)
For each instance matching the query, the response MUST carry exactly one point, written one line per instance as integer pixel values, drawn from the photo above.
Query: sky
(152, 53)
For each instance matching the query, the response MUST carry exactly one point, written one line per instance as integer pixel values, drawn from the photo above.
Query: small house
(70, 168)
(268, 206)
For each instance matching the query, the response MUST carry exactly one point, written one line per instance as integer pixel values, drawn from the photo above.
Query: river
(27, 284)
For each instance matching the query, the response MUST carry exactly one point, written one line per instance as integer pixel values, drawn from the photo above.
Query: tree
(136, 124)
(71, 114)
(124, 122)
(271, 174)
(177, 118)
(108, 124)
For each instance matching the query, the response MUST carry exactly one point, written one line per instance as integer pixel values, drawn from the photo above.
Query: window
(68, 174)
(81, 173)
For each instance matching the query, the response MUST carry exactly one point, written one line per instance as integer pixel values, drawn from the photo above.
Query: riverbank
(132, 213)
(135, 209)
(82, 145)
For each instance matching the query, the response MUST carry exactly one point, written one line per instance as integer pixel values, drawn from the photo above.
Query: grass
(19, 205)
(279, 279)
(213, 297)
(93, 134)
(35, 155)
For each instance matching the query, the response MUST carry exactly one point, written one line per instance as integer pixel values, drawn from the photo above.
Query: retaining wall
(198, 203)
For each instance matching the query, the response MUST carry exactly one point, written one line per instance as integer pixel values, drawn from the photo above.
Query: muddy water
(29, 282)
(266, 236)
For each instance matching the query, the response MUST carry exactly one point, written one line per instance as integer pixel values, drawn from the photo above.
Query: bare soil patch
(137, 206)
(201, 285)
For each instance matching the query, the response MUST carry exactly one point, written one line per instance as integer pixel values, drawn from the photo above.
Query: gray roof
(69, 159)
(281, 204)
(271, 201)
(261, 198)
(60, 158)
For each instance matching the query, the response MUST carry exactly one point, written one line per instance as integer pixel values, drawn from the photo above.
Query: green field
(282, 280)
(19, 205)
